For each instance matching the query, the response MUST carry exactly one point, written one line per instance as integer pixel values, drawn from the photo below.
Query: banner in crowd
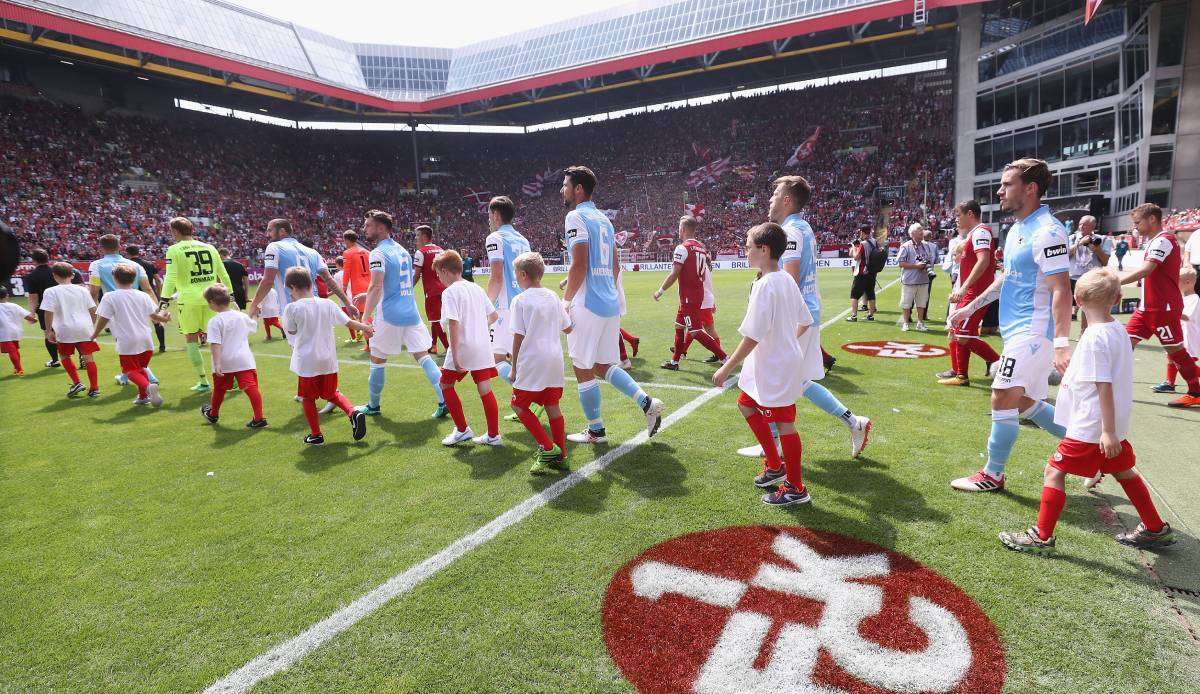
(805, 149)
(534, 188)
(709, 173)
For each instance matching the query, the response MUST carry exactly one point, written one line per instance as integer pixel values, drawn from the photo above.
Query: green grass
(125, 567)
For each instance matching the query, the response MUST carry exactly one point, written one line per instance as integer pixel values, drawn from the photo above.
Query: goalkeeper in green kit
(192, 267)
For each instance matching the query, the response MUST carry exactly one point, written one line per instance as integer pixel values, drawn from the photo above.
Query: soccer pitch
(145, 550)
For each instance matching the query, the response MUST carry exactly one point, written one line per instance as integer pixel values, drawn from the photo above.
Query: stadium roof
(251, 49)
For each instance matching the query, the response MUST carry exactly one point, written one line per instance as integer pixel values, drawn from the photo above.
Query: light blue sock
(433, 374)
(1005, 426)
(505, 370)
(589, 399)
(375, 381)
(1042, 414)
(774, 431)
(820, 396)
(622, 381)
(150, 375)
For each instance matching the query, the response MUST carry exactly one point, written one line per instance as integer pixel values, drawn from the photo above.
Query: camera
(1096, 240)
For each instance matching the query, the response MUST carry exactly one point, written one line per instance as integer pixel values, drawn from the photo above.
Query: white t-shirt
(780, 367)
(128, 313)
(270, 305)
(339, 278)
(11, 316)
(466, 303)
(1103, 355)
(71, 304)
(539, 316)
(231, 330)
(1191, 326)
(309, 323)
(1192, 248)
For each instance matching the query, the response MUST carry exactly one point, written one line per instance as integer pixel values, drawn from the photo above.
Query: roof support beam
(780, 45)
(643, 72)
(534, 94)
(708, 59)
(36, 33)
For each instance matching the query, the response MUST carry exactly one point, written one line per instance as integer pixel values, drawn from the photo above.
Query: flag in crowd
(746, 171)
(701, 152)
(695, 209)
(709, 173)
(481, 198)
(535, 187)
(1089, 10)
(805, 149)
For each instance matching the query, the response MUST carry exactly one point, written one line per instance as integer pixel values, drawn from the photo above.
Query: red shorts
(273, 322)
(245, 380)
(971, 327)
(10, 347)
(779, 415)
(1086, 459)
(323, 387)
(66, 349)
(694, 318)
(547, 397)
(1147, 323)
(134, 362)
(433, 308)
(478, 375)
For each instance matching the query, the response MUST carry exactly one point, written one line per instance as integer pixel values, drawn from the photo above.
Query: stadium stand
(64, 171)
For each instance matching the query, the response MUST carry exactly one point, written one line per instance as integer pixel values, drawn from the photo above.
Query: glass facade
(1066, 38)
(413, 73)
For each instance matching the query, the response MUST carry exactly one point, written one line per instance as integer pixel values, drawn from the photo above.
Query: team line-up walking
(512, 331)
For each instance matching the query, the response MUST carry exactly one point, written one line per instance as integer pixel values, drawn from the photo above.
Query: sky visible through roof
(415, 23)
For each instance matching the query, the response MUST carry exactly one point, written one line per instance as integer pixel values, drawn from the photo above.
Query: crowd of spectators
(67, 177)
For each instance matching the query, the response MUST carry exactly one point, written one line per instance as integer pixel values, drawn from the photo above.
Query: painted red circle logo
(787, 609)
(896, 350)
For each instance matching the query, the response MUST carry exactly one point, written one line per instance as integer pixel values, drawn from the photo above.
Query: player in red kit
(691, 269)
(1162, 303)
(977, 269)
(424, 273)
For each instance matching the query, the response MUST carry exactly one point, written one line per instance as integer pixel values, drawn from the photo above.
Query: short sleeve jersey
(775, 310)
(192, 267)
(467, 304)
(100, 271)
(587, 225)
(231, 330)
(978, 240)
(1035, 249)
(237, 272)
(310, 322)
(802, 247)
(692, 258)
(356, 263)
(1160, 289)
(11, 316)
(1102, 355)
(503, 246)
(285, 254)
(538, 316)
(423, 262)
(70, 304)
(128, 313)
(397, 305)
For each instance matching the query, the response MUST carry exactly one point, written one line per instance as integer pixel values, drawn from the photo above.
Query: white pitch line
(285, 654)
(846, 312)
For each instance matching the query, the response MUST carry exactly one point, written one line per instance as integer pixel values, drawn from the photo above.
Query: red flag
(709, 173)
(1089, 10)
(696, 210)
(702, 152)
(805, 150)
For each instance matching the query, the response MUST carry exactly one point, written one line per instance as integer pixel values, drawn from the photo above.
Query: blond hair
(532, 264)
(1098, 287)
(217, 294)
(125, 274)
(450, 261)
(1187, 274)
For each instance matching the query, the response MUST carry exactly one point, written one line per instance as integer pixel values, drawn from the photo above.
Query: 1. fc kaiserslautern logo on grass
(896, 350)
(782, 609)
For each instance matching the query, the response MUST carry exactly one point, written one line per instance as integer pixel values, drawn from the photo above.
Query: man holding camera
(862, 251)
(1087, 250)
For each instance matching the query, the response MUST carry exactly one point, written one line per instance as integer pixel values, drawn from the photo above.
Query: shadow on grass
(407, 433)
(314, 459)
(652, 471)
(492, 462)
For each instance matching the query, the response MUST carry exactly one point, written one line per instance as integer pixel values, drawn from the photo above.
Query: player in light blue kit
(594, 305)
(398, 325)
(1035, 308)
(799, 260)
(100, 277)
(503, 246)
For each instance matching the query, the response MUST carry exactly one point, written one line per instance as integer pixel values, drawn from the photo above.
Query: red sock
(353, 333)
(534, 425)
(94, 375)
(709, 343)
(341, 402)
(450, 397)
(267, 327)
(68, 365)
(983, 349)
(491, 412)
(139, 378)
(762, 432)
(1139, 496)
(15, 357)
(1186, 365)
(558, 431)
(1172, 371)
(824, 354)
(621, 344)
(310, 413)
(792, 450)
(255, 400)
(959, 357)
(218, 397)
(680, 348)
(438, 334)
(1053, 501)
(628, 336)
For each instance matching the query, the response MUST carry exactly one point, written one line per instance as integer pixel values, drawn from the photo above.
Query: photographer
(1086, 250)
(864, 254)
